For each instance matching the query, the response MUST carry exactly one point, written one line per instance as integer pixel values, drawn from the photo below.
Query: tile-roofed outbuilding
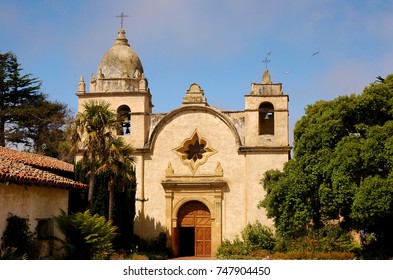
(26, 167)
(35, 160)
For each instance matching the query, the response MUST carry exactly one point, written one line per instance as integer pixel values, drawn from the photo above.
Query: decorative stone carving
(82, 85)
(194, 151)
(169, 172)
(266, 77)
(266, 87)
(219, 171)
(93, 83)
(142, 85)
(100, 74)
(137, 74)
(195, 95)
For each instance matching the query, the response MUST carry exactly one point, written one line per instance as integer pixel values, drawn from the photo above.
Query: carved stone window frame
(183, 151)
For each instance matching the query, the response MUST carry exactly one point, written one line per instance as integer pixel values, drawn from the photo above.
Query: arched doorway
(194, 229)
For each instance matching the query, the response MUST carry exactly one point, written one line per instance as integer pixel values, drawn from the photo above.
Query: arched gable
(189, 110)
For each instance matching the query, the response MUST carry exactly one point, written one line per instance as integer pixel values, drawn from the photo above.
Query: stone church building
(198, 168)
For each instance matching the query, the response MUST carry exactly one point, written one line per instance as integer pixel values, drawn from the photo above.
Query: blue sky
(218, 44)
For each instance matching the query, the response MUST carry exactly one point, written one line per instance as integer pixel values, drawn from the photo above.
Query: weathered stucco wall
(31, 202)
(242, 173)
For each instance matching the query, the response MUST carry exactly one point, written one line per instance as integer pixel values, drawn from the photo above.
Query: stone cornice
(197, 182)
(242, 149)
(264, 149)
(266, 95)
(106, 94)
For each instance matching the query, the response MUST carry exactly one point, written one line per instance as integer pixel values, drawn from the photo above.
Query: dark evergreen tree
(27, 117)
(45, 126)
(17, 93)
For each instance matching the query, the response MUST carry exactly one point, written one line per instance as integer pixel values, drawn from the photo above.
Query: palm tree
(118, 163)
(90, 132)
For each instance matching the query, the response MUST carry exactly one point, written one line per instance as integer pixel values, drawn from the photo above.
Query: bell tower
(120, 81)
(266, 115)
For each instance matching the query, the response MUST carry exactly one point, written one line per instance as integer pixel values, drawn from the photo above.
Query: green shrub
(86, 236)
(258, 241)
(328, 243)
(9, 253)
(326, 239)
(17, 235)
(259, 236)
(330, 239)
(307, 255)
(234, 250)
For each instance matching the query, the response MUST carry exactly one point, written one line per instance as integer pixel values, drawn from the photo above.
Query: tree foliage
(109, 164)
(342, 166)
(90, 133)
(259, 236)
(123, 204)
(117, 162)
(27, 117)
(44, 126)
(18, 92)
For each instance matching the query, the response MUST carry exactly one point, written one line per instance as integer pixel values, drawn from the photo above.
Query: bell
(268, 116)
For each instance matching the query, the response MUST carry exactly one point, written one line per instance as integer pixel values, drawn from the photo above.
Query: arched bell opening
(124, 116)
(266, 119)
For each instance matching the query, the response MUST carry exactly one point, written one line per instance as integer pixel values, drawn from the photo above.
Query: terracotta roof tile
(25, 167)
(35, 160)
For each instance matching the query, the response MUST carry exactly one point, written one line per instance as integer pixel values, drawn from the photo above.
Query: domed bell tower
(120, 81)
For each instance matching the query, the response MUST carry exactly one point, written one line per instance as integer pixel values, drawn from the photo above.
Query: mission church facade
(198, 168)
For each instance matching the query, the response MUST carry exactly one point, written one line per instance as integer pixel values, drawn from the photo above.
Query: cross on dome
(122, 16)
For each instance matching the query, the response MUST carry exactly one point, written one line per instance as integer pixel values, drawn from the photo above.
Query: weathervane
(122, 16)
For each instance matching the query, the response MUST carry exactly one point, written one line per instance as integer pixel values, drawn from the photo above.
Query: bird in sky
(269, 53)
(315, 53)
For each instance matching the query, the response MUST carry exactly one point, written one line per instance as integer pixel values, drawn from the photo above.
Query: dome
(120, 61)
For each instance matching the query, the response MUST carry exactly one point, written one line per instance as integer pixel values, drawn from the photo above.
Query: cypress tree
(17, 93)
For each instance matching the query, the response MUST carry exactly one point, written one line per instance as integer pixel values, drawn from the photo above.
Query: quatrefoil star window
(194, 151)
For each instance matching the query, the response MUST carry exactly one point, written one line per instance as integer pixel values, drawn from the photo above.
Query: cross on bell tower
(266, 61)
(122, 16)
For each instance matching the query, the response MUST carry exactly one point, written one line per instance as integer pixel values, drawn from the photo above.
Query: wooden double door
(194, 230)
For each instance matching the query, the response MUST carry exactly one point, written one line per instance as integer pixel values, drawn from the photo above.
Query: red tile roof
(36, 160)
(27, 167)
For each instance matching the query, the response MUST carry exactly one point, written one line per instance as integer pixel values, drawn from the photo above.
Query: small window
(266, 119)
(45, 229)
(124, 115)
